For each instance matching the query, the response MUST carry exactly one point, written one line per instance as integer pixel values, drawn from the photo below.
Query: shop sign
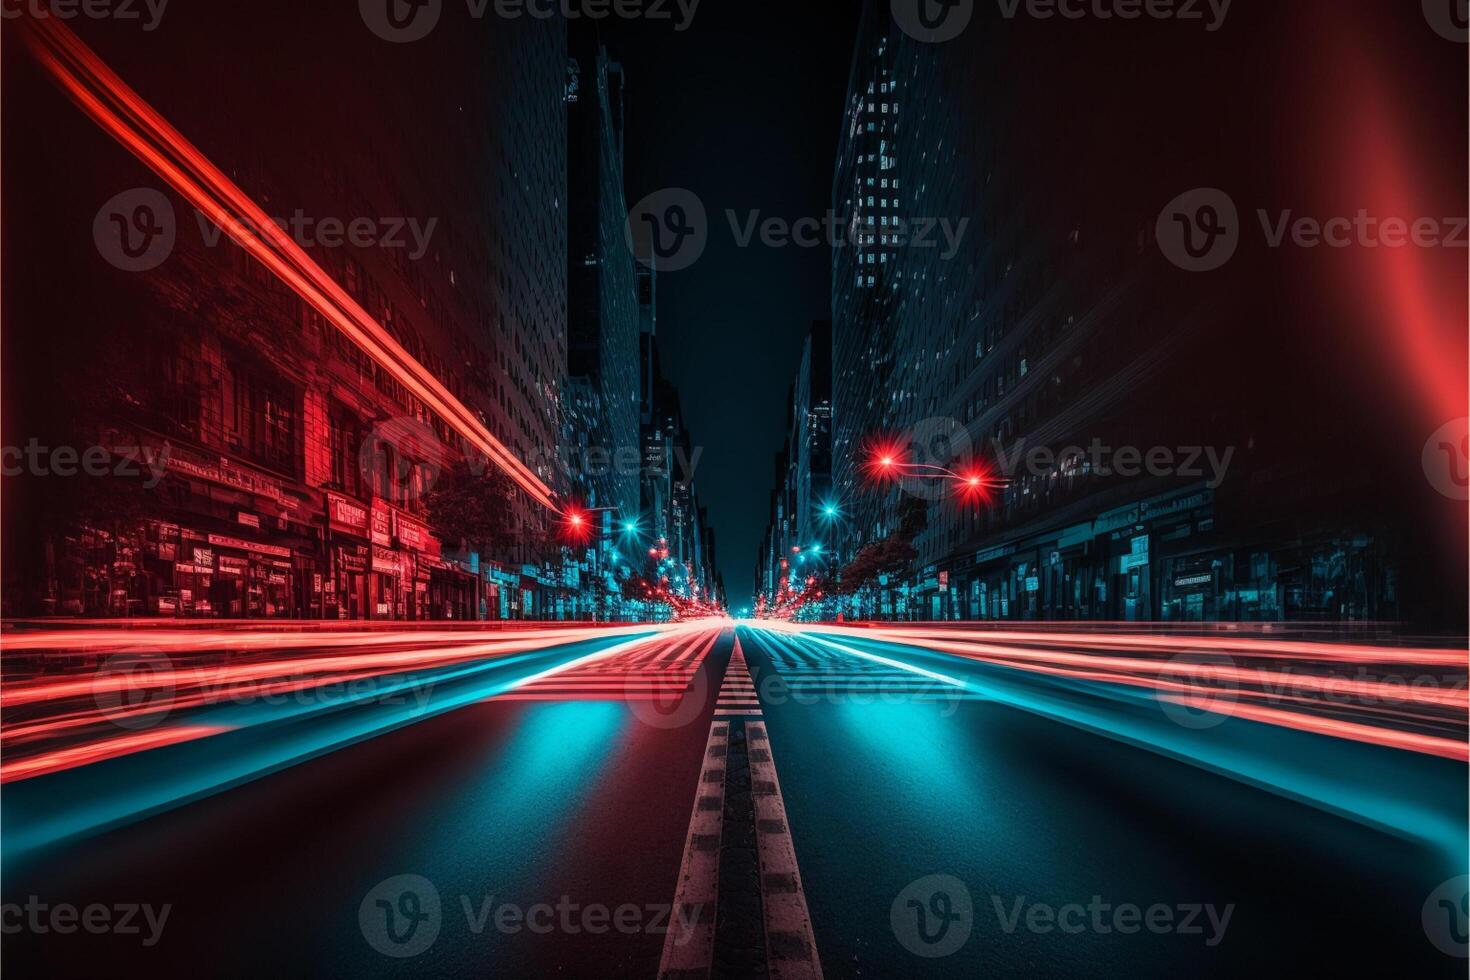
(385, 560)
(382, 524)
(233, 566)
(347, 514)
(203, 556)
(414, 535)
(248, 519)
(239, 544)
(991, 554)
(225, 473)
(1149, 510)
(1193, 581)
(354, 559)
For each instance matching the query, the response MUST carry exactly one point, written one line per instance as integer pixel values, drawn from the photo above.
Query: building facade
(294, 473)
(1036, 334)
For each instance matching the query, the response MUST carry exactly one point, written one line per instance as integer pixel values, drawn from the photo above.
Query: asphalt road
(949, 818)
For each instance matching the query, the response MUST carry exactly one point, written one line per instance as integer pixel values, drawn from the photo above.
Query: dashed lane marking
(690, 954)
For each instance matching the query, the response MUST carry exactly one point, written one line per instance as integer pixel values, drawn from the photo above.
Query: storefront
(251, 580)
(502, 592)
(453, 592)
(344, 587)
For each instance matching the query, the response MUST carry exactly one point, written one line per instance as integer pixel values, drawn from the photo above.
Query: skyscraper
(1002, 311)
(605, 309)
(799, 522)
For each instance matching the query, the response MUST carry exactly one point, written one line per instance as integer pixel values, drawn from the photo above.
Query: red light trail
(51, 724)
(1297, 676)
(103, 96)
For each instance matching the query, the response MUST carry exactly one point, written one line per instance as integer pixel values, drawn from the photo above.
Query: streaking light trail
(55, 723)
(1200, 672)
(204, 737)
(119, 110)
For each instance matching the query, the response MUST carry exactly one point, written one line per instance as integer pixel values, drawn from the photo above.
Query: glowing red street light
(576, 525)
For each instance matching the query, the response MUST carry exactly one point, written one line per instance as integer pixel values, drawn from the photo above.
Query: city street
(706, 490)
(540, 783)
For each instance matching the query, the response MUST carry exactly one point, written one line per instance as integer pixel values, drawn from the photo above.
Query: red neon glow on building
(103, 96)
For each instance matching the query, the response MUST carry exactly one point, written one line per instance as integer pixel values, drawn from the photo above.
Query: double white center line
(791, 951)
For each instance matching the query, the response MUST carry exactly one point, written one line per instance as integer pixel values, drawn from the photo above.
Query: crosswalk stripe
(663, 671)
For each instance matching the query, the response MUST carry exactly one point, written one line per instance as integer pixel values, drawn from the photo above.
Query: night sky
(744, 109)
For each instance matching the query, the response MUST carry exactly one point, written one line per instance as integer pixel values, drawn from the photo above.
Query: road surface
(768, 800)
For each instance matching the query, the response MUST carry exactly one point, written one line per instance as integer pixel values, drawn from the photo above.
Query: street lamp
(974, 483)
